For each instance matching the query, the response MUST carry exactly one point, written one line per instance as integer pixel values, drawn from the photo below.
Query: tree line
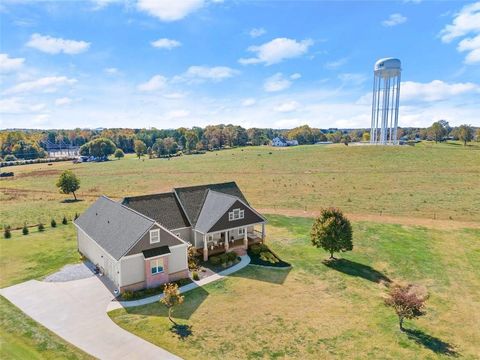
(33, 144)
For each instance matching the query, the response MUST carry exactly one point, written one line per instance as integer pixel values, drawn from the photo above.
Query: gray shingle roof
(163, 208)
(214, 206)
(193, 197)
(113, 226)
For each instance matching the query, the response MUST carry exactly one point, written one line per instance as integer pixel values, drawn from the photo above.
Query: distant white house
(278, 141)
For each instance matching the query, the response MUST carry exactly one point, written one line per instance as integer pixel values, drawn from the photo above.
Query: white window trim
(155, 231)
(156, 263)
(241, 231)
(236, 214)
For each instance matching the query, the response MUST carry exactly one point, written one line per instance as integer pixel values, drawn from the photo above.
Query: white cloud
(256, 32)
(157, 82)
(467, 20)
(276, 83)
(472, 46)
(167, 10)
(202, 73)
(174, 96)
(111, 71)
(288, 123)
(249, 102)
(51, 45)
(332, 65)
(45, 84)
(287, 106)
(17, 105)
(295, 76)
(352, 78)
(63, 101)
(277, 50)
(175, 114)
(8, 64)
(435, 90)
(165, 43)
(100, 4)
(394, 20)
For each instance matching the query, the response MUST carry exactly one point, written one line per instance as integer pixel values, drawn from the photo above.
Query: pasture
(428, 181)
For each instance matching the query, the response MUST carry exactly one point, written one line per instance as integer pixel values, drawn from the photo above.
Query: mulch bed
(255, 260)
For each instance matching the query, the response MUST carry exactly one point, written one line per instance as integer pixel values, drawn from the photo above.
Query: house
(278, 141)
(142, 241)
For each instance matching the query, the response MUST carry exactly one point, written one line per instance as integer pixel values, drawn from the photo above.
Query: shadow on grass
(271, 275)
(356, 269)
(183, 331)
(193, 300)
(430, 342)
(69, 201)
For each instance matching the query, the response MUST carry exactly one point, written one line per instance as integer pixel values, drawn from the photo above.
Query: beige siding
(177, 259)
(185, 234)
(93, 252)
(132, 270)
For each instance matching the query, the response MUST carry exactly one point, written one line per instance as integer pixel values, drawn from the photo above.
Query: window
(210, 237)
(156, 266)
(236, 214)
(241, 231)
(154, 236)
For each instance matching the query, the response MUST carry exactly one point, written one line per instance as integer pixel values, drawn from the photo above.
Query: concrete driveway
(76, 311)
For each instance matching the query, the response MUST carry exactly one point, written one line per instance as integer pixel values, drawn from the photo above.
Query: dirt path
(389, 219)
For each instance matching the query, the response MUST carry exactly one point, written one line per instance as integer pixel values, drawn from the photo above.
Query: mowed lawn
(429, 180)
(315, 311)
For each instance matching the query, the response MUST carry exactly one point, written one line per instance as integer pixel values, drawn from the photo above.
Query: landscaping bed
(217, 263)
(144, 293)
(261, 255)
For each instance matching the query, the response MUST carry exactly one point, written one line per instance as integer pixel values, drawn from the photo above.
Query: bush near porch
(223, 261)
(144, 293)
(261, 255)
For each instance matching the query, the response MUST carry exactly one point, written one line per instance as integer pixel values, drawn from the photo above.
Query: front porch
(227, 241)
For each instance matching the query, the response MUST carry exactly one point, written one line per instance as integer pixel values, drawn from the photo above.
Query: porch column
(205, 248)
(226, 240)
(263, 232)
(245, 238)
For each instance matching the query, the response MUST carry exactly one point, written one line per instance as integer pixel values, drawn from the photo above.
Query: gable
(166, 239)
(250, 217)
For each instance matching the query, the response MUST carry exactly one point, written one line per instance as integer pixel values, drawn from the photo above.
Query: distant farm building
(281, 142)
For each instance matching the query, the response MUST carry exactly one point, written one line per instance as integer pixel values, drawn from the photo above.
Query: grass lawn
(425, 181)
(314, 311)
(33, 256)
(22, 338)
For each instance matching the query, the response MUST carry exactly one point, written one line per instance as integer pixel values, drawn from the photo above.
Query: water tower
(386, 97)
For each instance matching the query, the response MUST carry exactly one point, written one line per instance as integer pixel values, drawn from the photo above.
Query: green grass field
(316, 312)
(425, 181)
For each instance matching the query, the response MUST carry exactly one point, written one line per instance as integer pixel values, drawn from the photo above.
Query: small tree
(407, 302)
(140, 148)
(171, 297)
(119, 154)
(192, 258)
(41, 227)
(7, 232)
(68, 183)
(64, 220)
(53, 223)
(332, 232)
(465, 133)
(25, 229)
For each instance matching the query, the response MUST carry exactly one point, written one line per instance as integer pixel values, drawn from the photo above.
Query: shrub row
(139, 294)
(7, 229)
(223, 259)
(256, 249)
(34, 161)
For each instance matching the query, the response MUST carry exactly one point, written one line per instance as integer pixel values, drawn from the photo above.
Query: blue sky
(275, 64)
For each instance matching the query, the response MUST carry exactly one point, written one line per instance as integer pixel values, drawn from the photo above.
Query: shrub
(127, 295)
(75, 217)
(41, 227)
(64, 221)
(10, 157)
(6, 232)
(195, 276)
(214, 260)
(231, 256)
(223, 258)
(53, 223)
(119, 154)
(256, 249)
(25, 229)
(268, 256)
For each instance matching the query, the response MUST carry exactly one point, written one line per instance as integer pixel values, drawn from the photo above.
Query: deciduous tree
(171, 298)
(119, 154)
(68, 183)
(465, 133)
(332, 232)
(407, 301)
(140, 148)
